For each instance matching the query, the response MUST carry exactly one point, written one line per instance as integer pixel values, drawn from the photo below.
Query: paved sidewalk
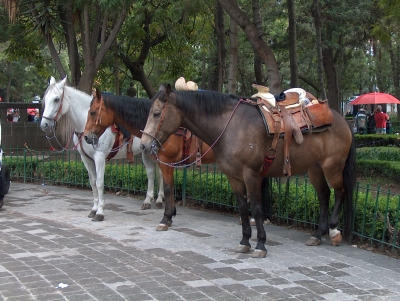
(50, 250)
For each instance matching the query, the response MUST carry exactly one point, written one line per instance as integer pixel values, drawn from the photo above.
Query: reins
(178, 164)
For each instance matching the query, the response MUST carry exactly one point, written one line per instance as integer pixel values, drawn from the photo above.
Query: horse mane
(211, 103)
(131, 109)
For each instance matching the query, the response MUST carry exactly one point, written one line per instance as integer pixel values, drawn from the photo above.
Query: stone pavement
(50, 250)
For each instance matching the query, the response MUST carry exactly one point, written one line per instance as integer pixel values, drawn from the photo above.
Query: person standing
(131, 92)
(380, 120)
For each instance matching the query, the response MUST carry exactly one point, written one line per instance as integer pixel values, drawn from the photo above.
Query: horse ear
(52, 81)
(98, 93)
(168, 90)
(61, 84)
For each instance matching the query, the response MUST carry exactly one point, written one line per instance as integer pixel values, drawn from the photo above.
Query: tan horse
(106, 110)
(240, 143)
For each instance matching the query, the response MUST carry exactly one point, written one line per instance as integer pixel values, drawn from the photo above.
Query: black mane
(208, 102)
(131, 109)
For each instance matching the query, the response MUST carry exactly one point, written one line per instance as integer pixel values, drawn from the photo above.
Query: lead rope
(199, 159)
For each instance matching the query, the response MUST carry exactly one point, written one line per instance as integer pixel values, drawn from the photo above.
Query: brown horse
(131, 114)
(239, 140)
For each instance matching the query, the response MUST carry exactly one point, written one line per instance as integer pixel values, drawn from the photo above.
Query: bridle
(58, 111)
(155, 140)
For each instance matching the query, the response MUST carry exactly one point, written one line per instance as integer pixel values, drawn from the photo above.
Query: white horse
(60, 99)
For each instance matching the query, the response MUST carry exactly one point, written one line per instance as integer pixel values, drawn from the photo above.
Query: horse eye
(92, 113)
(156, 114)
(57, 99)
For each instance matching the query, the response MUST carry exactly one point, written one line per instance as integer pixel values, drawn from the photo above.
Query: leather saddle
(290, 114)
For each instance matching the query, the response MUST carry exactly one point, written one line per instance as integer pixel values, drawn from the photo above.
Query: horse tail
(349, 182)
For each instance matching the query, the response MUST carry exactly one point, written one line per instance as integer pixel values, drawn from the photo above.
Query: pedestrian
(131, 91)
(361, 121)
(16, 117)
(371, 123)
(10, 117)
(380, 120)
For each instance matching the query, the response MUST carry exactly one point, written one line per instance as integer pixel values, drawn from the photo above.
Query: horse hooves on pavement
(243, 249)
(98, 218)
(313, 241)
(146, 206)
(92, 214)
(336, 240)
(162, 227)
(259, 254)
(158, 206)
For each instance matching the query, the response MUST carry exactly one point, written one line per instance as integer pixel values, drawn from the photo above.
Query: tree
(96, 22)
(257, 43)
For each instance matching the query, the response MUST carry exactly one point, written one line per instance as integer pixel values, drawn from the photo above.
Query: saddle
(187, 141)
(121, 135)
(289, 114)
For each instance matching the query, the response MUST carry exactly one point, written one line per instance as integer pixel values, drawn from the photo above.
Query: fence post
(184, 186)
(24, 166)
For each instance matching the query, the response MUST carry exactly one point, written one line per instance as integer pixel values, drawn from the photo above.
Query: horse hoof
(336, 240)
(92, 214)
(98, 218)
(313, 241)
(162, 227)
(243, 249)
(146, 206)
(259, 254)
(252, 222)
(158, 206)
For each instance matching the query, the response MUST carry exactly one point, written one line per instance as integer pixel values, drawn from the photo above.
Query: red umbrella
(375, 98)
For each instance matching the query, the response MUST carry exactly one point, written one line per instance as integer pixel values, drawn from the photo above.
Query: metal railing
(290, 201)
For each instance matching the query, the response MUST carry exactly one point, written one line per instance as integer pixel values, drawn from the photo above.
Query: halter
(158, 127)
(58, 111)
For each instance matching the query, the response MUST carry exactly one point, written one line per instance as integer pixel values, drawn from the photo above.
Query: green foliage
(383, 153)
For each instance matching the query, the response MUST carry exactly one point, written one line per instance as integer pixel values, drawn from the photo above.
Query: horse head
(54, 106)
(98, 119)
(163, 120)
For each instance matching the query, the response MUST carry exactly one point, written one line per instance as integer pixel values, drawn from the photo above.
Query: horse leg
(150, 170)
(254, 197)
(100, 170)
(91, 168)
(317, 179)
(336, 181)
(239, 189)
(170, 210)
(160, 196)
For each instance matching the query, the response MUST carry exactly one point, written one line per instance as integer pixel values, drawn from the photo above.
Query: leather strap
(287, 141)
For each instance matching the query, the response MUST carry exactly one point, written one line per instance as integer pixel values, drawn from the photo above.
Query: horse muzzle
(91, 139)
(47, 125)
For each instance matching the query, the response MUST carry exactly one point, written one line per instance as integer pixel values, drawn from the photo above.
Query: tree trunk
(9, 78)
(116, 69)
(258, 63)
(257, 43)
(137, 72)
(318, 41)
(218, 74)
(233, 35)
(331, 78)
(294, 76)
(394, 52)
